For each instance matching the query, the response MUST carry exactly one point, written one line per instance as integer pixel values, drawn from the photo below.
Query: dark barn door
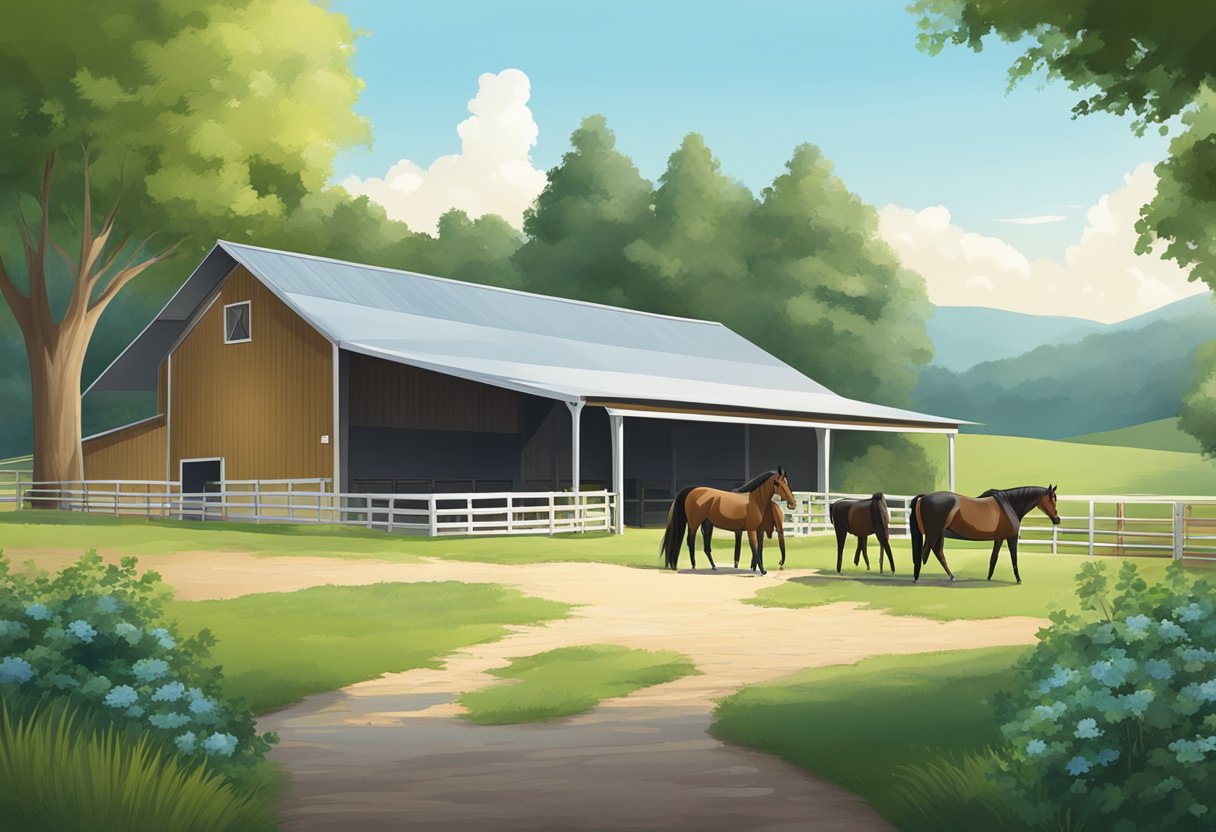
(202, 476)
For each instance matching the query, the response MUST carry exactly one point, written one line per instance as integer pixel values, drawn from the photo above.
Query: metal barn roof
(547, 346)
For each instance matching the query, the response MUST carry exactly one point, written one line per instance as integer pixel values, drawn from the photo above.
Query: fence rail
(1177, 527)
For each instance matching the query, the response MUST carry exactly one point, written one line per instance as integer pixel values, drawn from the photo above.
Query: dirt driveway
(391, 753)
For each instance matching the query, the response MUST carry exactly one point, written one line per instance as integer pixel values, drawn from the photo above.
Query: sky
(998, 198)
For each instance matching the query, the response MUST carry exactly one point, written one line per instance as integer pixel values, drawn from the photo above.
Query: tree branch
(17, 302)
(128, 273)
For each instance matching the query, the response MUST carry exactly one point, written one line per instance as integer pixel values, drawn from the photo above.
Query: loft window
(236, 323)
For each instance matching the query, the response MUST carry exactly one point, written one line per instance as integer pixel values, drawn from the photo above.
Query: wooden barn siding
(136, 452)
(384, 394)
(263, 405)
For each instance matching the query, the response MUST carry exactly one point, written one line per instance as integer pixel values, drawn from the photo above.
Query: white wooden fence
(1178, 527)
(308, 501)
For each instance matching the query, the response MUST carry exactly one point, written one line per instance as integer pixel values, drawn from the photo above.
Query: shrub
(59, 771)
(94, 634)
(1112, 723)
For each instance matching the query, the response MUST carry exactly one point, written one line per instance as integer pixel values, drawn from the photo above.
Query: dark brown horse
(995, 515)
(747, 510)
(863, 518)
(777, 524)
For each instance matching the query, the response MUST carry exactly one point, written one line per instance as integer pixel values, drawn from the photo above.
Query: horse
(745, 510)
(777, 524)
(995, 515)
(863, 518)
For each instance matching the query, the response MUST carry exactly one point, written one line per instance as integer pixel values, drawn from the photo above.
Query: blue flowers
(128, 632)
(169, 720)
(163, 638)
(12, 629)
(1189, 614)
(1113, 671)
(108, 603)
(122, 696)
(149, 670)
(1193, 751)
(169, 693)
(38, 612)
(185, 742)
(1035, 747)
(1170, 631)
(1087, 729)
(202, 705)
(1077, 766)
(220, 744)
(14, 669)
(1135, 627)
(1107, 756)
(1159, 669)
(82, 630)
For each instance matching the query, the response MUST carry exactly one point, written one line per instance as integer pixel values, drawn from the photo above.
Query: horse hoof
(713, 569)
(763, 572)
(951, 579)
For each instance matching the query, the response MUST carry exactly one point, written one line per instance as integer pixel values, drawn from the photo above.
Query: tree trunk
(55, 382)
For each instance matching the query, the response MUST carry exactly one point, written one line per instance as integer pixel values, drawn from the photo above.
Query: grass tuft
(952, 792)
(59, 771)
(571, 680)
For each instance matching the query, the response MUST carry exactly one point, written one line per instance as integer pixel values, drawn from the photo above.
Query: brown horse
(995, 515)
(747, 510)
(863, 518)
(777, 525)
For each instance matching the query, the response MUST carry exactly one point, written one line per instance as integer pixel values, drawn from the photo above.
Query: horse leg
(760, 553)
(886, 545)
(781, 543)
(865, 550)
(738, 546)
(996, 550)
(709, 554)
(939, 549)
(692, 543)
(707, 535)
(1013, 555)
(857, 552)
(841, 534)
(921, 557)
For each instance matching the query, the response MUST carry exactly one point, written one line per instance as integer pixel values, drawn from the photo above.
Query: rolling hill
(964, 336)
(1128, 373)
(1160, 435)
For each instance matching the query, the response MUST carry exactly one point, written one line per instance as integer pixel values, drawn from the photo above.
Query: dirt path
(388, 754)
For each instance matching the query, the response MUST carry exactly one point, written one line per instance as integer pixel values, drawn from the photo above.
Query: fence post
(291, 501)
(257, 502)
(1055, 539)
(117, 492)
(510, 514)
(392, 507)
(552, 514)
(1120, 524)
(319, 487)
(19, 495)
(468, 518)
(367, 504)
(1178, 532)
(434, 521)
(1091, 528)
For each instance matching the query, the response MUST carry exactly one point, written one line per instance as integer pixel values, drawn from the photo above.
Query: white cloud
(1040, 220)
(1099, 277)
(492, 173)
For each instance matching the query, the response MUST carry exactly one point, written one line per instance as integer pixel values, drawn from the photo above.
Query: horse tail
(918, 534)
(876, 516)
(673, 535)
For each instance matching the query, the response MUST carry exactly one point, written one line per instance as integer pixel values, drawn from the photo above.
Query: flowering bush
(94, 634)
(1113, 721)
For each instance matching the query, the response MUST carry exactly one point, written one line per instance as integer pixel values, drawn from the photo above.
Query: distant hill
(964, 336)
(1161, 435)
(1124, 374)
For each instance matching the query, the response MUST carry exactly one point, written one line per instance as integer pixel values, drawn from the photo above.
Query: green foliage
(571, 680)
(1198, 417)
(59, 770)
(95, 633)
(1149, 59)
(279, 647)
(954, 792)
(1111, 723)
(887, 461)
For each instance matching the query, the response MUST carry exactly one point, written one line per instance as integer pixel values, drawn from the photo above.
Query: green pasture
(874, 726)
(1161, 435)
(984, 462)
(278, 647)
(569, 681)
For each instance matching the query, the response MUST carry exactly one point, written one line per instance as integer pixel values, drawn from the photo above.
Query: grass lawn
(858, 725)
(1008, 461)
(571, 680)
(278, 647)
(1161, 435)
(1047, 585)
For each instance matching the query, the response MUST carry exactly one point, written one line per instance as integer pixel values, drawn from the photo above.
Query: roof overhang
(777, 420)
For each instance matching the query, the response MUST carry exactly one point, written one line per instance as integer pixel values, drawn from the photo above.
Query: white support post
(824, 437)
(257, 501)
(433, 531)
(576, 421)
(1091, 527)
(950, 437)
(617, 426)
(1179, 531)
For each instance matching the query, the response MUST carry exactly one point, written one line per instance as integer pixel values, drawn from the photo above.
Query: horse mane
(1021, 499)
(754, 483)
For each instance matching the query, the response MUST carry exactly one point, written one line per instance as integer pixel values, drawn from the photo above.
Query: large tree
(164, 125)
(595, 204)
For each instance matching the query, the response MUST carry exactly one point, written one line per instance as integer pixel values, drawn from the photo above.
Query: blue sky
(756, 79)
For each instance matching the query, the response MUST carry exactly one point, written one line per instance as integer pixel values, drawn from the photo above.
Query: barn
(272, 365)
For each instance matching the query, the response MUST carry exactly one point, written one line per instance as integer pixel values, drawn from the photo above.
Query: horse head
(781, 487)
(1047, 503)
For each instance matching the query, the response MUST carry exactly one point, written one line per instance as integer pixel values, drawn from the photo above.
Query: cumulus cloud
(1099, 277)
(1040, 220)
(492, 174)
